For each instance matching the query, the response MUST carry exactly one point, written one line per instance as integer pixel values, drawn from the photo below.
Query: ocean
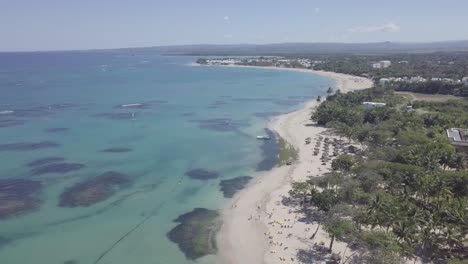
(96, 149)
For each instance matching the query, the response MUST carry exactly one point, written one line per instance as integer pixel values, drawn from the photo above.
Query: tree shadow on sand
(317, 254)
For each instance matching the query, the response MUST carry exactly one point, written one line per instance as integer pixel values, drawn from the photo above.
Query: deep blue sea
(68, 118)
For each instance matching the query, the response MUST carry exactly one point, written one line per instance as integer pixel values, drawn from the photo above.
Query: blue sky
(88, 24)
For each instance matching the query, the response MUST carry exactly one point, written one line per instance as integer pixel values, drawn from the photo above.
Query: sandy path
(257, 228)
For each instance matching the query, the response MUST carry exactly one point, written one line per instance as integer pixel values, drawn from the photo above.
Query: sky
(30, 25)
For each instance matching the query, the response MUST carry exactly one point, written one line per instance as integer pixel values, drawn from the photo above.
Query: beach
(257, 226)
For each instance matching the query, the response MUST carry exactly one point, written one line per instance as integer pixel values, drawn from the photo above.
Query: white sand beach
(257, 227)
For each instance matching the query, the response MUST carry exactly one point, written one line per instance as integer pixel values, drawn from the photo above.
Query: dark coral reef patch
(17, 196)
(44, 161)
(116, 150)
(25, 146)
(10, 123)
(56, 129)
(71, 261)
(93, 190)
(202, 174)
(231, 186)
(57, 168)
(196, 233)
(4, 241)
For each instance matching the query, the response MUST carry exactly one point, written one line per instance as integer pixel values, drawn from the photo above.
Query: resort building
(458, 136)
(385, 63)
(417, 79)
(383, 81)
(376, 65)
(372, 105)
(381, 64)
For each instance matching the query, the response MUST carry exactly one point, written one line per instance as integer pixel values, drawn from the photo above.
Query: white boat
(6, 112)
(264, 137)
(132, 105)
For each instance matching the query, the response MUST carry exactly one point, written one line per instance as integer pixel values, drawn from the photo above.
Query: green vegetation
(427, 97)
(431, 87)
(451, 65)
(287, 152)
(439, 64)
(406, 193)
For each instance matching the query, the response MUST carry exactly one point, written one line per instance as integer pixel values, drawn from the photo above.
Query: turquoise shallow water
(195, 117)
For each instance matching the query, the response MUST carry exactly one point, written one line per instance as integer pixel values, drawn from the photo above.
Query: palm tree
(300, 190)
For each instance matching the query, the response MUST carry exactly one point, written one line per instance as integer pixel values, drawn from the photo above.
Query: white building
(385, 63)
(458, 136)
(372, 105)
(383, 81)
(381, 64)
(417, 79)
(465, 79)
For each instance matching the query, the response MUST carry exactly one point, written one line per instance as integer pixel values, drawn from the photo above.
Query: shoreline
(257, 227)
(344, 82)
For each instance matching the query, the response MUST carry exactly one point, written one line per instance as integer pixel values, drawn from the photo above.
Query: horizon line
(232, 44)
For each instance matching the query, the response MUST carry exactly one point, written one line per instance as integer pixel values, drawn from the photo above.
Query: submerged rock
(10, 123)
(196, 233)
(24, 146)
(231, 186)
(57, 168)
(71, 261)
(116, 150)
(93, 190)
(44, 161)
(202, 174)
(16, 196)
(4, 241)
(56, 129)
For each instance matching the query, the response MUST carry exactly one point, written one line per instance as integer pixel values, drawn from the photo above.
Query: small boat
(131, 105)
(6, 112)
(264, 137)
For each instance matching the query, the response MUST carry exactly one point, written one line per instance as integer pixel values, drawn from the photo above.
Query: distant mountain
(309, 48)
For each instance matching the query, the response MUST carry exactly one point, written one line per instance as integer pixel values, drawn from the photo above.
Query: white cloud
(226, 18)
(228, 36)
(386, 28)
(317, 10)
